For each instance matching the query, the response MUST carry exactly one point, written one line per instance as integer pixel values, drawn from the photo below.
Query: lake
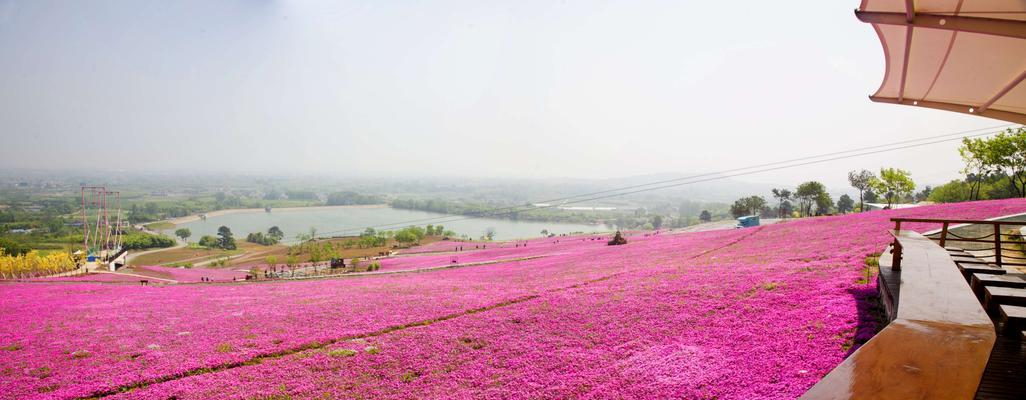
(329, 221)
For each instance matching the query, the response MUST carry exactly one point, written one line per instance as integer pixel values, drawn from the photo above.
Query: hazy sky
(516, 88)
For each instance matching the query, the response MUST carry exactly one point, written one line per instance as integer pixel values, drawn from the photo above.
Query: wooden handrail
(937, 346)
(959, 221)
(944, 238)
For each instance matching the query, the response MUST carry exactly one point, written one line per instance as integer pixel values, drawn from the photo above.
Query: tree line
(995, 168)
(812, 199)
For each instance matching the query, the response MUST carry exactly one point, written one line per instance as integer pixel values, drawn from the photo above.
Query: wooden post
(997, 243)
(896, 248)
(944, 234)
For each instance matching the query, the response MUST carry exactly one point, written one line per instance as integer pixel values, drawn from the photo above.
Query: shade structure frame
(963, 56)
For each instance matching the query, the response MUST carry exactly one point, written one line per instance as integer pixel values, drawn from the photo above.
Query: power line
(564, 199)
(669, 183)
(461, 218)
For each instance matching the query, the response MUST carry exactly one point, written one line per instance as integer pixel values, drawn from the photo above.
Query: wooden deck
(1004, 377)
(938, 344)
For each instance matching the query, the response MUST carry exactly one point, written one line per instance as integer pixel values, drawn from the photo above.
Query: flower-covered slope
(750, 313)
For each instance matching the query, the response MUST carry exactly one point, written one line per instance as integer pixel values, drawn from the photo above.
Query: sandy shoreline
(196, 217)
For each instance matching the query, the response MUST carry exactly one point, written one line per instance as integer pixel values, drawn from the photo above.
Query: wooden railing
(936, 347)
(993, 242)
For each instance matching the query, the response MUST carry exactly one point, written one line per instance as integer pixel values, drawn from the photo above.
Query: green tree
(751, 205)
(208, 241)
(276, 233)
(871, 197)
(657, 221)
(54, 224)
(705, 216)
(952, 192)
(786, 209)
(809, 194)
(291, 262)
(11, 247)
(316, 255)
(845, 204)
(924, 194)
(1009, 152)
(226, 239)
(824, 203)
(260, 238)
(978, 164)
(894, 183)
(988, 158)
(183, 233)
(405, 237)
(782, 196)
(863, 181)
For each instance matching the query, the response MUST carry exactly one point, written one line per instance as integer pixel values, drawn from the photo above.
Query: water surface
(341, 221)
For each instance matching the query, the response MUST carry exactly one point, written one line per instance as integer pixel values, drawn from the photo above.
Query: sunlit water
(342, 221)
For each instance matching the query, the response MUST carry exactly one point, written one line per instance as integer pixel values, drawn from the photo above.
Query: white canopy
(966, 56)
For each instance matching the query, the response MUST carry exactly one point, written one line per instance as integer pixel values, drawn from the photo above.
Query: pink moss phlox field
(748, 313)
(456, 246)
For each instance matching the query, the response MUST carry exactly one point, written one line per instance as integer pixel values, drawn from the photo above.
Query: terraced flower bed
(749, 313)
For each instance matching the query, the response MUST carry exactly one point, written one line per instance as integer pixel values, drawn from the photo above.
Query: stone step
(1012, 318)
(969, 269)
(998, 296)
(969, 259)
(979, 281)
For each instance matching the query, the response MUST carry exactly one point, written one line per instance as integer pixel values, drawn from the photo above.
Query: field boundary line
(260, 358)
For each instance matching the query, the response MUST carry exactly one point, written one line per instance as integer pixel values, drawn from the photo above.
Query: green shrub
(208, 241)
(137, 241)
(342, 353)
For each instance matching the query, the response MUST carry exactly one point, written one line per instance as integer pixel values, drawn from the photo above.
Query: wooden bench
(936, 347)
